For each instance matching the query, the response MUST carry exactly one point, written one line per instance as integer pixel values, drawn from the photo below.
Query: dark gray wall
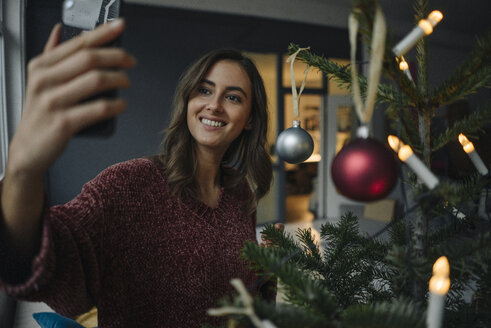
(164, 41)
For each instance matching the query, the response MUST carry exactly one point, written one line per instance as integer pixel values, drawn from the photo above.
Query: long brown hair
(246, 157)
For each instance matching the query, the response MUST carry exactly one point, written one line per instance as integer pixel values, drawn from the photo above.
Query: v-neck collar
(201, 209)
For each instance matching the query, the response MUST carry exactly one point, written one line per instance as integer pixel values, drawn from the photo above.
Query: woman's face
(219, 107)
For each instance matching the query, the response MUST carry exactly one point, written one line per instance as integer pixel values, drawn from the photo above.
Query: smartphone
(85, 15)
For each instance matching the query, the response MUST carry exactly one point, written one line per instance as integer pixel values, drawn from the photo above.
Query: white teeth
(211, 123)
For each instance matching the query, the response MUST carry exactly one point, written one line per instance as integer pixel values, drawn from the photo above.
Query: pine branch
(421, 10)
(469, 256)
(399, 314)
(300, 288)
(365, 13)
(350, 259)
(342, 75)
(407, 269)
(307, 256)
(470, 126)
(311, 252)
(459, 194)
(289, 316)
(407, 119)
(474, 73)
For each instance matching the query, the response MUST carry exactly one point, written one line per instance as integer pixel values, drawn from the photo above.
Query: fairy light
(407, 156)
(424, 27)
(404, 67)
(473, 155)
(441, 267)
(439, 286)
(395, 143)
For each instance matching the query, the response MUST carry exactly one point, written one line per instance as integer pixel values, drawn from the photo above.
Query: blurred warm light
(439, 285)
(405, 152)
(403, 65)
(425, 26)
(435, 17)
(466, 144)
(469, 148)
(441, 267)
(394, 143)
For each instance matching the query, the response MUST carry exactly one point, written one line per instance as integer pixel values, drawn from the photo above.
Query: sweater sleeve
(65, 273)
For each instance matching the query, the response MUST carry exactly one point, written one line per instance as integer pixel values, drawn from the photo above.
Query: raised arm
(58, 81)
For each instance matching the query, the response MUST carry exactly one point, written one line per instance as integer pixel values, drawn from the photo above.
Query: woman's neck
(208, 176)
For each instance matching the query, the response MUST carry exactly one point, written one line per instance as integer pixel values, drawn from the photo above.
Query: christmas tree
(348, 279)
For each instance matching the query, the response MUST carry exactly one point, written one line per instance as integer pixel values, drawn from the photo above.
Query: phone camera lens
(69, 4)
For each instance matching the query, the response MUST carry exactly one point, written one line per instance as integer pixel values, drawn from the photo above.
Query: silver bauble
(294, 145)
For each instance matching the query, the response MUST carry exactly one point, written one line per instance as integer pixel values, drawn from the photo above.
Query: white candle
(268, 324)
(407, 156)
(424, 27)
(436, 304)
(439, 286)
(473, 155)
(404, 67)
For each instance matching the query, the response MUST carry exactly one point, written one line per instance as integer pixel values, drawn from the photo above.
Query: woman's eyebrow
(236, 88)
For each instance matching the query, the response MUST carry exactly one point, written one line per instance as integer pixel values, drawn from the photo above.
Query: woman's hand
(58, 81)
(267, 243)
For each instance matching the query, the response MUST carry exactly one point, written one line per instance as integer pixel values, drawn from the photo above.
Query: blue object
(54, 320)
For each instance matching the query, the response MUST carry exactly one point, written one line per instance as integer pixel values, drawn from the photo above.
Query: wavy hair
(246, 157)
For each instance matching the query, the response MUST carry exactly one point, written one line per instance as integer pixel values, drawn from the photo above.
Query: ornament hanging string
(365, 111)
(296, 97)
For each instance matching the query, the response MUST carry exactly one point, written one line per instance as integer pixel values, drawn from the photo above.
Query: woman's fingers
(86, 86)
(54, 38)
(91, 112)
(80, 63)
(103, 34)
(59, 95)
(279, 226)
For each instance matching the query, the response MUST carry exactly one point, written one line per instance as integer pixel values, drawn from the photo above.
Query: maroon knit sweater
(142, 256)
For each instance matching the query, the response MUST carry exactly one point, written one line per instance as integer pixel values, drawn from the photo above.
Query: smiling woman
(220, 104)
(219, 108)
(151, 242)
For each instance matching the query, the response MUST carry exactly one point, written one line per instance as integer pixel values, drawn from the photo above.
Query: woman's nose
(214, 105)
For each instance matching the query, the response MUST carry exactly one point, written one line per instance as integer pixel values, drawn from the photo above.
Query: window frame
(3, 107)
(12, 70)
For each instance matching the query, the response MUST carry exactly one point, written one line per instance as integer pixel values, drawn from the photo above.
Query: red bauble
(365, 170)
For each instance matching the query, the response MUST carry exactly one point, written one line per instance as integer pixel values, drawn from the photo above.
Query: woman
(150, 242)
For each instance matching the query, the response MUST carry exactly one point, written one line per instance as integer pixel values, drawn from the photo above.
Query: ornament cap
(363, 132)
(296, 123)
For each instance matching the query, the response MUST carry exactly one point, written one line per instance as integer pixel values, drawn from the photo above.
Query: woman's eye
(234, 98)
(204, 91)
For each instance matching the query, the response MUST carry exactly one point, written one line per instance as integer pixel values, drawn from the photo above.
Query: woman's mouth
(212, 123)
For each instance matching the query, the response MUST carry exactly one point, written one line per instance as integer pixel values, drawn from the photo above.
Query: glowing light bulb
(441, 267)
(435, 17)
(426, 26)
(405, 152)
(439, 285)
(403, 65)
(468, 147)
(395, 143)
